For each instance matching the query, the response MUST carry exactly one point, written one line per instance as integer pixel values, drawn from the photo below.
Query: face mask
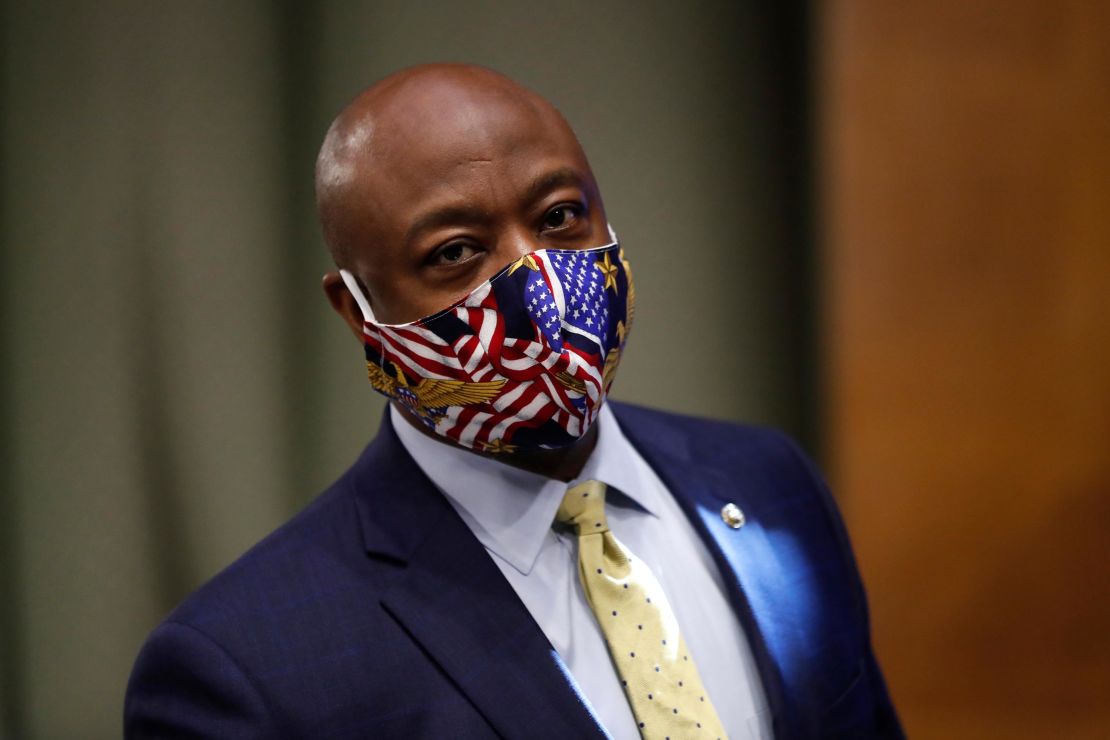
(523, 362)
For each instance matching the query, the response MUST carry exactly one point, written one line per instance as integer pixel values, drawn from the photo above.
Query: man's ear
(343, 302)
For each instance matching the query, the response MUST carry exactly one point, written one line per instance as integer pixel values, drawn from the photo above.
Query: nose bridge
(518, 240)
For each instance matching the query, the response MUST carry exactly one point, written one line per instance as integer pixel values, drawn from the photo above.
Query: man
(512, 556)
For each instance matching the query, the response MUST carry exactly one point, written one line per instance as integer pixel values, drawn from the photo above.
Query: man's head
(436, 177)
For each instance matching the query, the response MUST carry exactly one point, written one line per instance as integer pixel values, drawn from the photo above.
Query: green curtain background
(173, 383)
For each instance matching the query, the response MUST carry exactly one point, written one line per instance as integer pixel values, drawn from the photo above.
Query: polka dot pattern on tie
(659, 678)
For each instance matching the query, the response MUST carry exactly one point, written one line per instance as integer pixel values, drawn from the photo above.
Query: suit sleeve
(886, 720)
(184, 685)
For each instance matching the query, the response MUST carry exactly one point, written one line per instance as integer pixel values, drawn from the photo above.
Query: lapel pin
(732, 516)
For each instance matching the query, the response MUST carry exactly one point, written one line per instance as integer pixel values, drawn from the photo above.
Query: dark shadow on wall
(788, 88)
(772, 64)
(11, 701)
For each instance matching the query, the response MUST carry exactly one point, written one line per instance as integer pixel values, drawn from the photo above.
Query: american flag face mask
(523, 362)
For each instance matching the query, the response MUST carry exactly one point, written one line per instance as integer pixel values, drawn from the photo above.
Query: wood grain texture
(965, 192)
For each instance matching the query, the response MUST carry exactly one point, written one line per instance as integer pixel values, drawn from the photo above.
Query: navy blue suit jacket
(376, 613)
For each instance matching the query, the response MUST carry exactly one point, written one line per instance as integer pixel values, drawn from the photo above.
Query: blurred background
(881, 226)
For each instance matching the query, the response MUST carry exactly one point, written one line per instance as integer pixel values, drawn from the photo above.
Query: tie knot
(584, 507)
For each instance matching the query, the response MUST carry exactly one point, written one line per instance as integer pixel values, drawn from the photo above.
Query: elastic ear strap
(360, 298)
(612, 234)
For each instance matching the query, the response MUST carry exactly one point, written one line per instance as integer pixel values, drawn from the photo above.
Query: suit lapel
(458, 606)
(747, 562)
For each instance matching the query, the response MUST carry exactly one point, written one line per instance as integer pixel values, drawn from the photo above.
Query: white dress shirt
(511, 512)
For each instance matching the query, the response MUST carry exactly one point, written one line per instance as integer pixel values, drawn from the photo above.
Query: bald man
(513, 555)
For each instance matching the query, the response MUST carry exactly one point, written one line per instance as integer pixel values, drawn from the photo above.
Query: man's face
(456, 187)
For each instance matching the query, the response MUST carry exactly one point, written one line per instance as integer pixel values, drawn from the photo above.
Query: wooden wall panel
(965, 193)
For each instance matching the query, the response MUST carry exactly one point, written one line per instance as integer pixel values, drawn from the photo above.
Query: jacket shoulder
(254, 651)
(199, 670)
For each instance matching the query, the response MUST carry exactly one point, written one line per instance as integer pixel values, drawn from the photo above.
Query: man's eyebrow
(549, 181)
(445, 216)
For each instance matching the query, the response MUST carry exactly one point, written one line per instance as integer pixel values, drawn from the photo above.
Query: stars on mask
(542, 308)
(609, 270)
(580, 283)
(526, 261)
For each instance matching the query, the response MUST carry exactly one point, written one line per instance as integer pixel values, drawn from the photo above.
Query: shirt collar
(511, 510)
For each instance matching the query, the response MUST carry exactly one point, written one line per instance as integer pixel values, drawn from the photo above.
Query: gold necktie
(657, 673)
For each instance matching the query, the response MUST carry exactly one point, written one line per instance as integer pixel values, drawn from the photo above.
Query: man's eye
(454, 254)
(561, 216)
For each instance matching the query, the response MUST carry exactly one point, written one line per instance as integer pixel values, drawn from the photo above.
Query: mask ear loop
(359, 296)
(612, 234)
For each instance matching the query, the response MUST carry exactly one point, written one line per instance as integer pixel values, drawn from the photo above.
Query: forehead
(437, 141)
